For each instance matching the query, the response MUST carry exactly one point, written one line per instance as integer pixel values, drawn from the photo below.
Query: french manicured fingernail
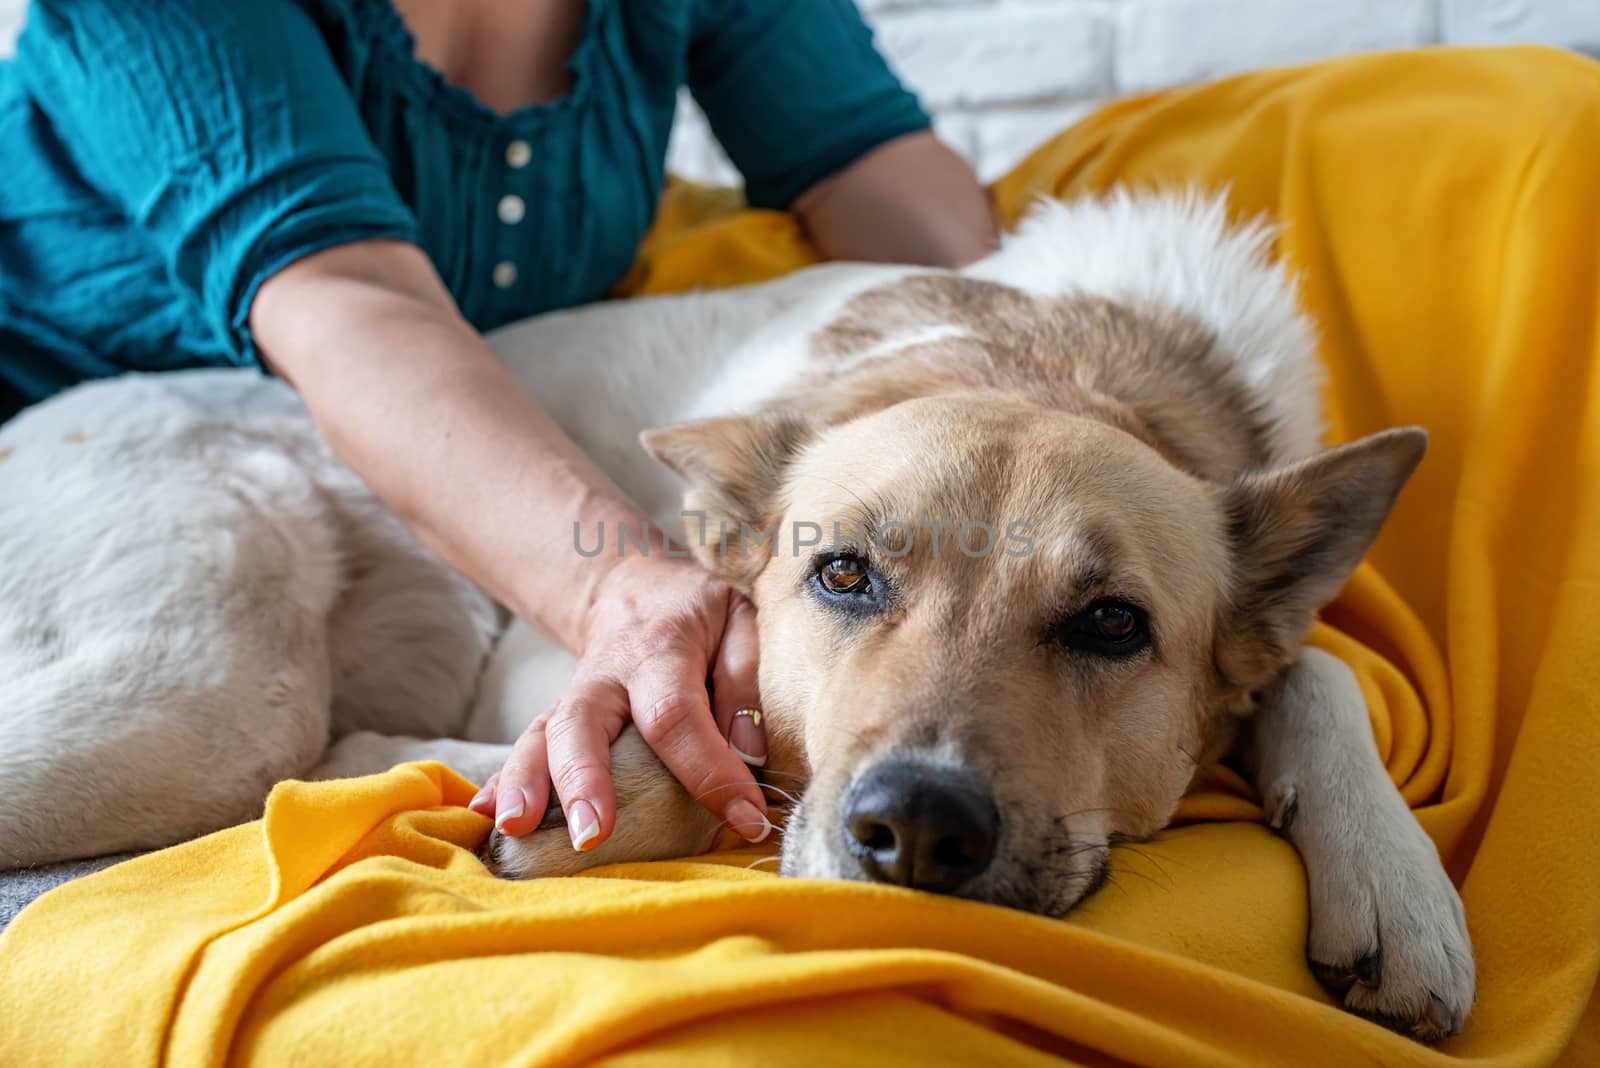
(582, 824)
(747, 738)
(747, 820)
(479, 798)
(508, 805)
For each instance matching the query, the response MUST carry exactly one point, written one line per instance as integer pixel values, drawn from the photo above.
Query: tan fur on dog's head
(1008, 658)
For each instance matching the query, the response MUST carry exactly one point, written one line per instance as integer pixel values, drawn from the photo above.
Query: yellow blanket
(1444, 210)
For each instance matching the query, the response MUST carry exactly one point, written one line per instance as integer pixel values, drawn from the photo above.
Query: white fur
(1181, 252)
(181, 625)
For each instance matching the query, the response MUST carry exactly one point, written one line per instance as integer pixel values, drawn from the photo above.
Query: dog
(1029, 544)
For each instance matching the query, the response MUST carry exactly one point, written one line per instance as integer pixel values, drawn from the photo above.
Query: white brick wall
(1170, 42)
(1000, 76)
(1005, 54)
(1570, 22)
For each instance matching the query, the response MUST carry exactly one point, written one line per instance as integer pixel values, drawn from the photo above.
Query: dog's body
(195, 597)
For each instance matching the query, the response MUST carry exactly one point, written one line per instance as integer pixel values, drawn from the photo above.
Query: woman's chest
(542, 205)
(509, 54)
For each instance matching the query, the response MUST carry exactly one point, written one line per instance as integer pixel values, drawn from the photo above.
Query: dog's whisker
(772, 829)
(1153, 860)
(785, 794)
(1114, 810)
(1164, 884)
(790, 798)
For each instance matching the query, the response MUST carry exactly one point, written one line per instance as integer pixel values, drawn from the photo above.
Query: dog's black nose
(921, 825)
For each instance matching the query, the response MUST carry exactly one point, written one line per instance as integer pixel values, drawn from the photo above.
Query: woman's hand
(418, 406)
(658, 629)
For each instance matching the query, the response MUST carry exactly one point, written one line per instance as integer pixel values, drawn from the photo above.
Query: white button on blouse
(505, 274)
(518, 154)
(512, 209)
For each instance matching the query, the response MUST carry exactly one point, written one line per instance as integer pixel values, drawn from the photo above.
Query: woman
(347, 192)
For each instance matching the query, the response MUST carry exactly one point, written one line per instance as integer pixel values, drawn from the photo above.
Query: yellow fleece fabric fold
(1443, 211)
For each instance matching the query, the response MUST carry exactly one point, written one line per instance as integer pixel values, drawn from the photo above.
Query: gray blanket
(18, 888)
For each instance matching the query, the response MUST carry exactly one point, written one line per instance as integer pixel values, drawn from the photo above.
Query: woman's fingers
(579, 735)
(735, 692)
(522, 787)
(672, 710)
(483, 801)
(661, 685)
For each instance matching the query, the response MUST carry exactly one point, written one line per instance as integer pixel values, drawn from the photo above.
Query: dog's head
(1001, 636)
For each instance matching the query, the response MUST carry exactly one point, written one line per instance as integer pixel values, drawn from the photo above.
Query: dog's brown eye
(1114, 622)
(844, 574)
(1110, 627)
(844, 584)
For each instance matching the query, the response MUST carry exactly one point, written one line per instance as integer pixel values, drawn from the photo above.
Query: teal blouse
(159, 160)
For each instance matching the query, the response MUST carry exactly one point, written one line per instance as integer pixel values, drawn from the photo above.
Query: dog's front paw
(1388, 933)
(643, 832)
(542, 852)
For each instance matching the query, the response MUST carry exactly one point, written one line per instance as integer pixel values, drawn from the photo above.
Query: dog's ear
(735, 468)
(1297, 533)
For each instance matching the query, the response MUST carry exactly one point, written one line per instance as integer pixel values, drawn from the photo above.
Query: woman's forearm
(911, 200)
(408, 395)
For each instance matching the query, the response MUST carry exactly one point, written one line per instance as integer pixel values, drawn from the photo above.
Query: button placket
(511, 209)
